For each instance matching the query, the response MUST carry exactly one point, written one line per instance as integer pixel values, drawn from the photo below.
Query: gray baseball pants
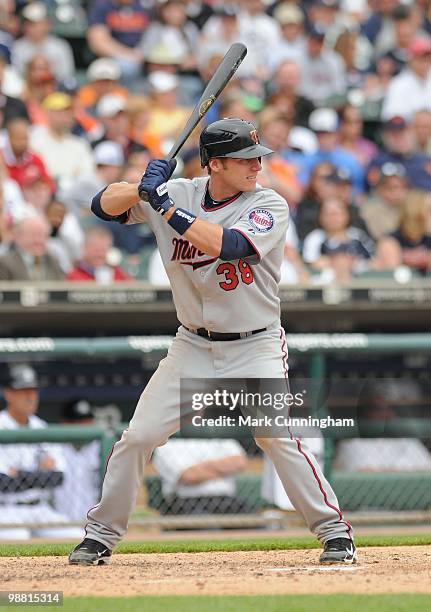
(157, 417)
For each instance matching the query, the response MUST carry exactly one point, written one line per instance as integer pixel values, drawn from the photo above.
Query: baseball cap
(108, 153)
(110, 105)
(303, 140)
(35, 11)
(165, 55)
(323, 120)
(316, 30)
(333, 4)
(162, 81)
(389, 169)
(34, 173)
(395, 123)
(77, 410)
(103, 69)
(339, 176)
(57, 101)
(288, 13)
(21, 376)
(419, 47)
(226, 10)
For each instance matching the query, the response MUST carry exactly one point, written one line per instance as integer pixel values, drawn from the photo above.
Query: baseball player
(221, 239)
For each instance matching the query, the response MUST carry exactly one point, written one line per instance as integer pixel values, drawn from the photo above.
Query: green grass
(408, 602)
(175, 546)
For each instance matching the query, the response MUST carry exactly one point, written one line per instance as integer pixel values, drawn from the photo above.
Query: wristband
(181, 220)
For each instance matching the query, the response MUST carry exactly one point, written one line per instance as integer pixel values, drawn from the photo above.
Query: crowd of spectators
(340, 90)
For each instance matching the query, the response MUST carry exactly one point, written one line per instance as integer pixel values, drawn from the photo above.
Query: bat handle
(173, 162)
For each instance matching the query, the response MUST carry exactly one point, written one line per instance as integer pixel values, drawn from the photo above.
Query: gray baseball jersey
(234, 296)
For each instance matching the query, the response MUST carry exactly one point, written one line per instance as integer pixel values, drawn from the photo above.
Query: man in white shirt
(82, 466)
(292, 44)
(67, 157)
(198, 475)
(323, 72)
(410, 91)
(28, 472)
(37, 40)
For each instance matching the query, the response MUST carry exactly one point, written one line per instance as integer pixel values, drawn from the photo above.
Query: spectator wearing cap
(28, 472)
(399, 143)
(260, 33)
(323, 73)
(109, 160)
(65, 155)
(232, 22)
(37, 188)
(421, 125)
(410, 91)
(37, 40)
(410, 243)
(292, 43)
(351, 135)
(326, 182)
(324, 122)
(173, 30)
(301, 142)
(405, 29)
(9, 105)
(82, 464)
(166, 116)
(28, 257)
(111, 112)
(219, 32)
(115, 30)
(40, 82)
(110, 167)
(103, 76)
(382, 209)
(94, 264)
(20, 161)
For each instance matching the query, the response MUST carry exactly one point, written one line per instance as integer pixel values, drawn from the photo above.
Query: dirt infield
(398, 569)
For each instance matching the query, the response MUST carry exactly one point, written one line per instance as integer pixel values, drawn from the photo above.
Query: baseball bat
(221, 77)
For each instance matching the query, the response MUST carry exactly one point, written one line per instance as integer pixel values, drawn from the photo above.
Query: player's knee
(264, 443)
(142, 437)
(267, 444)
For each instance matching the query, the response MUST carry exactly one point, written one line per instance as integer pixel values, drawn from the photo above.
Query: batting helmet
(230, 138)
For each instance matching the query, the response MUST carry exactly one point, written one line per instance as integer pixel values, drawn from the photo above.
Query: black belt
(32, 502)
(220, 337)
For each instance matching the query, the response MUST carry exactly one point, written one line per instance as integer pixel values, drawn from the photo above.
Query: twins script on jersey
(227, 296)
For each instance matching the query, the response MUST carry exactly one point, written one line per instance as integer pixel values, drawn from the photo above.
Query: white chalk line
(317, 568)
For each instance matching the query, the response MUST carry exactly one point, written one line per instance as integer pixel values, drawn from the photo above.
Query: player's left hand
(153, 184)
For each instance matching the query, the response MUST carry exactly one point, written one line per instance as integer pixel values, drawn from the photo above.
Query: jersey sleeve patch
(261, 220)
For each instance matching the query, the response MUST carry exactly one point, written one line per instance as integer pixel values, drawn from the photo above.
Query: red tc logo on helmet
(254, 136)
